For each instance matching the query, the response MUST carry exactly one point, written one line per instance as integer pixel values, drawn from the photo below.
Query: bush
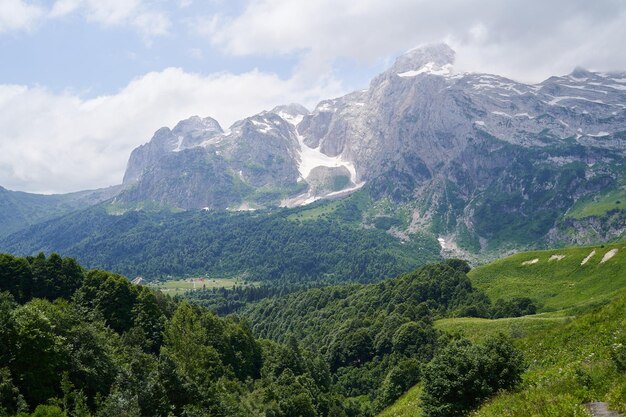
(515, 307)
(462, 375)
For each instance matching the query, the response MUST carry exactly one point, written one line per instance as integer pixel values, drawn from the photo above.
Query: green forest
(77, 342)
(280, 245)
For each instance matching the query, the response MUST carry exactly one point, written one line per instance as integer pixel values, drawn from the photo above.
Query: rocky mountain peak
(196, 125)
(434, 55)
(581, 73)
(292, 113)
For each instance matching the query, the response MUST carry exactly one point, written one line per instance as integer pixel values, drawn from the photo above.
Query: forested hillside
(88, 343)
(91, 343)
(377, 337)
(275, 245)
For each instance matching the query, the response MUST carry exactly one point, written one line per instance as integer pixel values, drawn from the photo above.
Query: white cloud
(63, 7)
(524, 39)
(152, 23)
(18, 15)
(59, 143)
(111, 12)
(136, 13)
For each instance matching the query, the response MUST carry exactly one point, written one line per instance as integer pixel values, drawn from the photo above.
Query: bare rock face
(187, 134)
(475, 154)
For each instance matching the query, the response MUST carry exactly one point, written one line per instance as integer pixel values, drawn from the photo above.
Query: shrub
(462, 375)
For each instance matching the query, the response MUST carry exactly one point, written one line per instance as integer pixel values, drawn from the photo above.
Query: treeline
(224, 301)
(89, 343)
(265, 246)
(377, 338)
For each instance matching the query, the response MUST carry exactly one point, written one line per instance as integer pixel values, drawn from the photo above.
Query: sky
(83, 82)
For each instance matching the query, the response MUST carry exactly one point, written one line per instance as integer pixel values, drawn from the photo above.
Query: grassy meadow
(556, 279)
(182, 285)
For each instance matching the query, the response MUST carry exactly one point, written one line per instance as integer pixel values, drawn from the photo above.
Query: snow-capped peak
(435, 55)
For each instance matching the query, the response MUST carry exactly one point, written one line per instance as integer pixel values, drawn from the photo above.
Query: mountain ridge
(478, 160)
(450, 143)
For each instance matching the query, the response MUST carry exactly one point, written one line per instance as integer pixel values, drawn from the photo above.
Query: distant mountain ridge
(20, 210)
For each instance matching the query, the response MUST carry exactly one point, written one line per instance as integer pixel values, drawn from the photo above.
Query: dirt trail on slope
(599, 409)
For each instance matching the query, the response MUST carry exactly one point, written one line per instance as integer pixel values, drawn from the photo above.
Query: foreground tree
(463, 375)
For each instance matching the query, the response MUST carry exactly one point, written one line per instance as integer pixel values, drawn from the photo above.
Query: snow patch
(179, 144)
(556, 257)
(531, 262)
(599, 134)
(325, 107)
(593, 252)
(245, 207)
(608, 255)
(311, 158)
(556, 100)
(264, 126)
(524, 115)
(346, 191)
(580, 80)
(429, 68)
(442, 242)
(290, 118)
(582, 87)
(479, 123)
(501, 113)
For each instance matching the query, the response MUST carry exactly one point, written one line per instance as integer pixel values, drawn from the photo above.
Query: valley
(441, 243)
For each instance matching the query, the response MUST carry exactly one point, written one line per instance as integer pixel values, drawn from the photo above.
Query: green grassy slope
(405, 406)
(599, 205)
(570, 364)
(477, 329)
(556, 284)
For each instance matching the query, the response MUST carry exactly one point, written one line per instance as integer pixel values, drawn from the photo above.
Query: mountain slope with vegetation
(20, 210)
(556, 279)
(575, 351)
(376, 337)
(275, 245)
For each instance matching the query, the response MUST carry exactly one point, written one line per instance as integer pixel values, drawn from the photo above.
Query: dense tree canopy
(267, 246)
(89, 343)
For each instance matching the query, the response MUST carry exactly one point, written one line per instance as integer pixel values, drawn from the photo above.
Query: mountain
(485, 164)
(20, 210)
(480, 160)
